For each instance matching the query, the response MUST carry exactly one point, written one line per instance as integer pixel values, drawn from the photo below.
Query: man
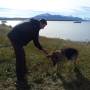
(20, 35)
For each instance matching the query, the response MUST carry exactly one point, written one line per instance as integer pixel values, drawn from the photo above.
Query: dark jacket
(25, 32)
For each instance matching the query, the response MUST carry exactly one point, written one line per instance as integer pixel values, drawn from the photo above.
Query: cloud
(7, 12)
(82, 12)
(30, 8)
(86, 8)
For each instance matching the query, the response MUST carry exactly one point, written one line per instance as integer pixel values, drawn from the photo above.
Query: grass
(41, 73)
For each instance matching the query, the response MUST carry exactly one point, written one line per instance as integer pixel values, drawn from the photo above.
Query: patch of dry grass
(41, 73)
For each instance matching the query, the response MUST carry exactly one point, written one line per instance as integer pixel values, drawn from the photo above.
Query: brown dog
(68, 53)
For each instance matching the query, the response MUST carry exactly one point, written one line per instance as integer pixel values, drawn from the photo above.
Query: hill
(50, 17)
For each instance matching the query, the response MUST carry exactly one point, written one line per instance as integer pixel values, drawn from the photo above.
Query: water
(64, 30)
(68, 30)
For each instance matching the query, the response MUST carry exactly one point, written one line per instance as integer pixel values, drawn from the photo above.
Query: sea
(67, 30)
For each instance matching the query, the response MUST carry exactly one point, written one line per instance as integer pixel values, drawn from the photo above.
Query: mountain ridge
(51, 17)
(47, 16)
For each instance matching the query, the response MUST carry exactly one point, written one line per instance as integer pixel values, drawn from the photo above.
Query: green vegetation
(41, 73)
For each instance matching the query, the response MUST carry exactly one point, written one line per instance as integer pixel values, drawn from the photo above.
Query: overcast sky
(28, 8)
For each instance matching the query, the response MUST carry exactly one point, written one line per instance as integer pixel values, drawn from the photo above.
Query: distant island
(48, 17)
(51, 17)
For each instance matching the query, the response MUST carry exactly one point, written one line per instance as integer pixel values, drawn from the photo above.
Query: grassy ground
(41, 73)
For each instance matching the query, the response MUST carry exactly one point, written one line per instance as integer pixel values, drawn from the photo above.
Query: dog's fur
(68, 53)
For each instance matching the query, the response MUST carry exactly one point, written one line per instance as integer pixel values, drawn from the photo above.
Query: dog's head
(55, 56)
(68, 53)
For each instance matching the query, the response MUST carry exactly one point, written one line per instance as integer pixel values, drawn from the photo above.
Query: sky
(29, 8)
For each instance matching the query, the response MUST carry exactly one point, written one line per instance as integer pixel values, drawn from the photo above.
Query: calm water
(64, 30)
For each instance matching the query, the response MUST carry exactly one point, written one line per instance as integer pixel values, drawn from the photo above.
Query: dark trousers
(20, 61)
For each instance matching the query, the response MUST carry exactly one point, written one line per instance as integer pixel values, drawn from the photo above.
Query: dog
(68, 53)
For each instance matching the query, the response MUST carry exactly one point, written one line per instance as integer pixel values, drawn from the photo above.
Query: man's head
(43, 23)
